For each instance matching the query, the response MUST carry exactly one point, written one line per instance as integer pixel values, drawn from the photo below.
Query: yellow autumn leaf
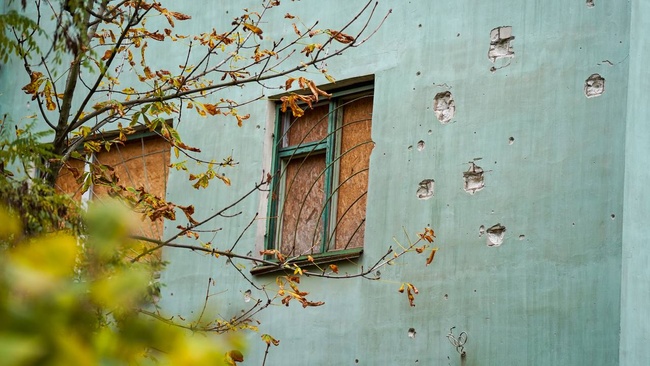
(254, 29)
(47, 92)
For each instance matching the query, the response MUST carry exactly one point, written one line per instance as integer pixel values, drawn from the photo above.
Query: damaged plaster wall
(449, 90)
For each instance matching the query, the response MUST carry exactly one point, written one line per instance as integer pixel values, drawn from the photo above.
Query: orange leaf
(287, 84)
(180, 16)
(334, 268)
(295, 29)
(289, 16)
(340, 36)
(430, 258)
(212, 109)
(107, 55)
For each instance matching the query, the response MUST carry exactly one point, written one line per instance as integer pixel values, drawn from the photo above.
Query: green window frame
(314, 207)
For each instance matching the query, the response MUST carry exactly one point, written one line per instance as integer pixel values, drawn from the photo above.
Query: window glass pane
(302, 208)
(312, 126)
(355, 149)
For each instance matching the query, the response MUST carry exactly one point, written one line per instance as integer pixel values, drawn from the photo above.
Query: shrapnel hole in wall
(444, 106)
(495, 235)
(474, 180)
(501, 43)
(425, 189)
(594, 86)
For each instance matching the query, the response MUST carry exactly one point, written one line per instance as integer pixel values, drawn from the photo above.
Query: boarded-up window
(323, 158)
(141, 162)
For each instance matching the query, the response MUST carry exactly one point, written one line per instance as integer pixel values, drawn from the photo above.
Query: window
(141, 161)
(321, 160)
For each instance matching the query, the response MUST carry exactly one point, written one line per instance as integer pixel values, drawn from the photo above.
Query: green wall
(550, 294)
(566, 287)
(635, 293)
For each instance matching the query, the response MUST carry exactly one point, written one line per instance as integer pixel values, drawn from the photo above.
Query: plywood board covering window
(138, 162)
(322, 162)
(356, 146)
(303, 205)
(141, 162)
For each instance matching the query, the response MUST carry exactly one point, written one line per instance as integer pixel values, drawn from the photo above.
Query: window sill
(303, 262)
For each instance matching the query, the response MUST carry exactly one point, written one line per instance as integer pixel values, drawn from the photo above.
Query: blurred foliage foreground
(73, 299)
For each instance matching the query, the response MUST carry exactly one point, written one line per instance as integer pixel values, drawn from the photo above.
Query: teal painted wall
(635, 293)
(551, 298)
(566, 287)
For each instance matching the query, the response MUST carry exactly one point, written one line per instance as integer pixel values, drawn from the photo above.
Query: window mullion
(330, 156)
(272, 210)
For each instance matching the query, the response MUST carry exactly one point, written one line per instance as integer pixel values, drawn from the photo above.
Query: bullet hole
(411, 333)
(419, 25)
(473, 177)
(420, 145)
(457, 34)
(356, 360)
(511, 140)
(481, 231)
(500, 43)
(430, 132)
(378, 275)
(446, 297)
(425, 189)
(590, 3)
(495, 235)
(594, 86)
(417, 73)
(522, 237)
(613, 216)
(247, 296)
(409, 148)
(444, 107)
